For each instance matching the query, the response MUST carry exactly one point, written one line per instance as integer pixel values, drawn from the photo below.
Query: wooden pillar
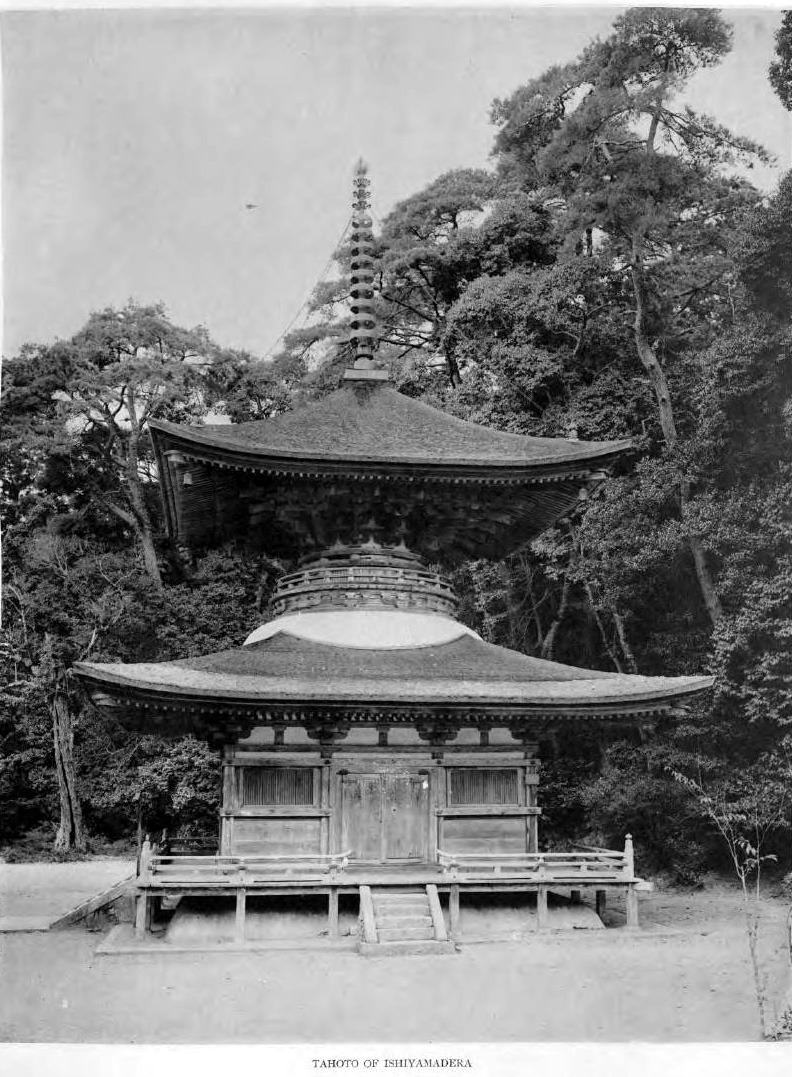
(631, 898)
(453, 911)
(368, 919)
(239, 925)
(438, 920)
(532, 799)
(335, 797)
(533, 833)
(601, 896)
(324, 802)
(332, 912)
(574, 897)
(142, 914)
(541, 907)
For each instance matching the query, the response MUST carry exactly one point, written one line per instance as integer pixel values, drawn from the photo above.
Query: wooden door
(361, 816)
(405, 816)
(385, 816)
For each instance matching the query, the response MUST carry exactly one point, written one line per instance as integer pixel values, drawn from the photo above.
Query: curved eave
(580, 698)
(205, 445)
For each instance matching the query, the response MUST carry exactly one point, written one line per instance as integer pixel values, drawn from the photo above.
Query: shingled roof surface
(286, 667)
(381, 424)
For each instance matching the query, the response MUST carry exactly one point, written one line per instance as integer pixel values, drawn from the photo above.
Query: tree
(64, 594)
(79, 480)
(85, 404)
(646, 175)
(781, 68)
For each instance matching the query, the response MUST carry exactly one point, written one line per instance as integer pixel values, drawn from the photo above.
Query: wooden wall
(383, 807)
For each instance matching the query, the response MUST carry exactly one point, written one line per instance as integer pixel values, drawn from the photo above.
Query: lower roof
(464, 672)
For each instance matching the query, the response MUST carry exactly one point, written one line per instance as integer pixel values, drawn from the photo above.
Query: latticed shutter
(472, 785)
(277, 786)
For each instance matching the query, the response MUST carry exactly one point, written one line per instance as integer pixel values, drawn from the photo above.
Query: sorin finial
(362, 271)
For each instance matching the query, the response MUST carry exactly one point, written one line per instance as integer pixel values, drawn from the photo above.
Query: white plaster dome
(366, 629)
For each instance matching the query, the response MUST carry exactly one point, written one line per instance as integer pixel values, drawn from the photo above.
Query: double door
(385, 816)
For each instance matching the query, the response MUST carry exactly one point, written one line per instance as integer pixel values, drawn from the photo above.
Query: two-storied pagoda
(373, 744)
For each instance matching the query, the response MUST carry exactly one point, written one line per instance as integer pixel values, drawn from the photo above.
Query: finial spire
(362, 274)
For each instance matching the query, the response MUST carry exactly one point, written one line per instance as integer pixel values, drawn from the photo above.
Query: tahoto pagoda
(372, 744)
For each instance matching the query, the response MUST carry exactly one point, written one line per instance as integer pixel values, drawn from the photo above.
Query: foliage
(80, 409)
(76, 588)
(781, 68)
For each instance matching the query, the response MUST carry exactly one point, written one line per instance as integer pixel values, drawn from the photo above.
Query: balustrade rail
(589, 866)
(162, 869)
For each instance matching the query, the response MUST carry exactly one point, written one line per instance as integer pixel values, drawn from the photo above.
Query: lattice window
(471, 785)
(277, 786)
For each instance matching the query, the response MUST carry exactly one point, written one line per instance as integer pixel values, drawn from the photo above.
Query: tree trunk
(612, 652)
(454, 377)
(150, 562)
(534, 614)
(143, 527)
(548, 646)
(706, 584)
(627, 650)
(651, 364)
(71, 834)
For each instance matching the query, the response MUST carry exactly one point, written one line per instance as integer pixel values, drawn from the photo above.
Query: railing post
(629, 856)
(142, 906)
(144, 869)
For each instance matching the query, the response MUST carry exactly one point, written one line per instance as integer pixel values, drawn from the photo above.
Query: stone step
(401, 908)
(399, 895)
(405, 948)
(403, 933)
(405, 921)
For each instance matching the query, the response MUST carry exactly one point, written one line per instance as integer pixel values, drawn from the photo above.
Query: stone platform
(208, 924)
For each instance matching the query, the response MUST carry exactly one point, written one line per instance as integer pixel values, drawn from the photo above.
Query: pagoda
(372, 744)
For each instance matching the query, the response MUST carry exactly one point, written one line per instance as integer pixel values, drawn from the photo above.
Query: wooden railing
(573, 868)
(162, 869)
(593, 865)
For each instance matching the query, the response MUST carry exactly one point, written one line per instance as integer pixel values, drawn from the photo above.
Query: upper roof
(375, 424)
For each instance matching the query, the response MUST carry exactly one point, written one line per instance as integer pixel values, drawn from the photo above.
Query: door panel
(385, 817)
(406, 803)
(361, 815)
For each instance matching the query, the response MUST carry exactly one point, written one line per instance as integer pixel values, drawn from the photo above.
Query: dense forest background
(613, 275)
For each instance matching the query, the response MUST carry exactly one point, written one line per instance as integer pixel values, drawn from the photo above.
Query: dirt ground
(46, 891)
(684, 976)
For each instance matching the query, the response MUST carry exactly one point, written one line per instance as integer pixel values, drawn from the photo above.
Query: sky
(132, 141)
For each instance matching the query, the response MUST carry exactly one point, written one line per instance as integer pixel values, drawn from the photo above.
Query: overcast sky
(133, 139)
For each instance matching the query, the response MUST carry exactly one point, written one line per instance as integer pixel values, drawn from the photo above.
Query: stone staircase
(402, 920)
